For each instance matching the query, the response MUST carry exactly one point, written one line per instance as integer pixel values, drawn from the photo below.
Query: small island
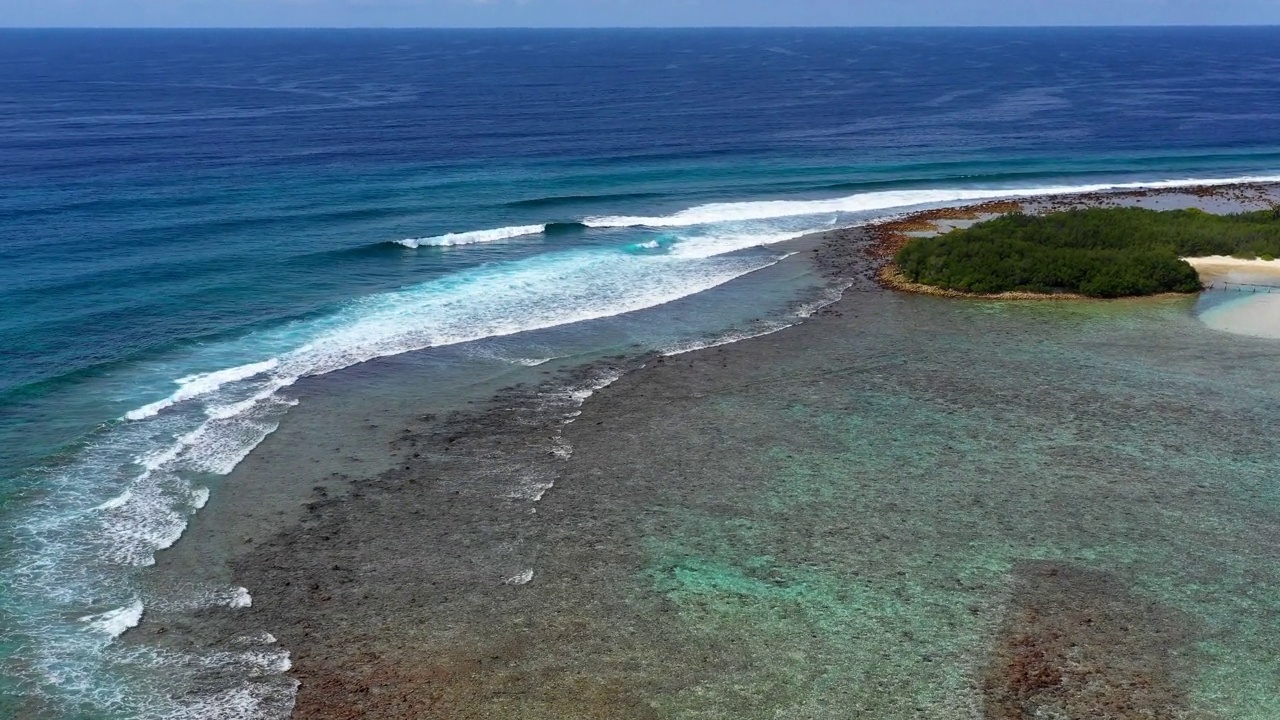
(1092, 252)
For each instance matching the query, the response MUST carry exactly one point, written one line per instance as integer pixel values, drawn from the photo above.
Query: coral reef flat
(904, 507)
(1076, 643)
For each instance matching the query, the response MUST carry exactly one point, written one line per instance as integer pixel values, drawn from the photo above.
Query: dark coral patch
(1079, 644)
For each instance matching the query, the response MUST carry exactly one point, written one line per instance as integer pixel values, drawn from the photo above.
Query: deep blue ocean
(191, 221)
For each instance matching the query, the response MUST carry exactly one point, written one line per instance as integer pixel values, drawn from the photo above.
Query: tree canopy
(1099, 252)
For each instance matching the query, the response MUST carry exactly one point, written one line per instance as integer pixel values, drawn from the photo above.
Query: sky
(628, 13)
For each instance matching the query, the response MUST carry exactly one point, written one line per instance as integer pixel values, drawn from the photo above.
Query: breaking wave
(471, 238)
(882, 200)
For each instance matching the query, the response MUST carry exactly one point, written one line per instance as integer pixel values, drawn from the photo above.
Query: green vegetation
(1099, 252)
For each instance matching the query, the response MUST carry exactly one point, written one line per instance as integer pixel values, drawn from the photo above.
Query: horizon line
(640, 27)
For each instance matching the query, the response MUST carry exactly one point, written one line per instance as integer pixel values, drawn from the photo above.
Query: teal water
(870, 522)
(194, 221)
(910, 518)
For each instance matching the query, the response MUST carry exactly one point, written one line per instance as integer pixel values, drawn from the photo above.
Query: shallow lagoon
(881, 510)
(907, 507)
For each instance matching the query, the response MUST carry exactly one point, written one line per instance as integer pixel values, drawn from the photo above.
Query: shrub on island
(1098, 252)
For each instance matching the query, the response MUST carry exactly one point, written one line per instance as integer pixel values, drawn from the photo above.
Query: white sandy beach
(1230, 269)
(1256, 311)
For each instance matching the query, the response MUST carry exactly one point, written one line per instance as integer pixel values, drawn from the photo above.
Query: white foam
(532, 362)
(219, 444)
(226, 412)
(532, 487)
(115, 622)
(475, 236)
(602, 380)
(726, 339)
(828, 297)
(147, 517)
(719, 244)
(575, 396)
(157, 459)
(522, 578)
(167, 540)
(806, 310)
(196, 385)
(262, 638)
(267, 695)
(117, 501)
(884, 200)
(562, 449)
(492, 301)
(148, 521)
(69, 554)
(195, 597)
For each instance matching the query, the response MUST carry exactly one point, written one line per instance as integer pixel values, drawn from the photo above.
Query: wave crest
(115, 622)
(194, 386)
(884, 200)
(473, 237)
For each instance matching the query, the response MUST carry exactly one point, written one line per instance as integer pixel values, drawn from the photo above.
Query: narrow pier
(1224, 286)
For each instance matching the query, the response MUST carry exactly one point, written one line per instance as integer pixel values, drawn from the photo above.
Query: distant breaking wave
(194, 386)
(881, 200)
(563, 228)
(738, 212)
(471, 238)
(484, 236)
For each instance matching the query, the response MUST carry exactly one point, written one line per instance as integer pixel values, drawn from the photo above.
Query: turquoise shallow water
(937, 509)
(862, 528)
(194, 221)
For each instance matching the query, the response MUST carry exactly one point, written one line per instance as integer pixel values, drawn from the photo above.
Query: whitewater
(736, 213)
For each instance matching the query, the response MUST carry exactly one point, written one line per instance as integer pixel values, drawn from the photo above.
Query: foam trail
(707, 246)
(521, 578)
(115, 622)
(194, 386)
(829, 297)
(547, 291)
(728, 339)
(475, 236)
(115, 502)
(226, 412)
(884, 200)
